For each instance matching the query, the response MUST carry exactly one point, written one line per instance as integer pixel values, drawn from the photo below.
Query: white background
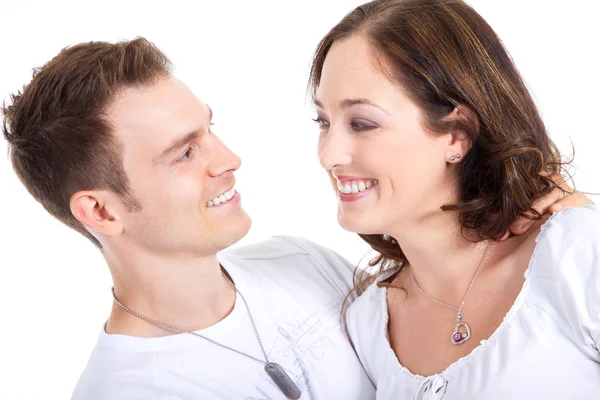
(249, 60)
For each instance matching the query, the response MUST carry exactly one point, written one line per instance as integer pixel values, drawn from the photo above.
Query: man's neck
(186, 292)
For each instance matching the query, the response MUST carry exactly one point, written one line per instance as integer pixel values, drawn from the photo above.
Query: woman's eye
(362, 126)
(321, 122)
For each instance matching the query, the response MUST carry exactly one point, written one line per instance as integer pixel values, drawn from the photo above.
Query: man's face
(179, 171)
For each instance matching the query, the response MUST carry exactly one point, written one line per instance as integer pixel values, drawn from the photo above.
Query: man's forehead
(138, 104)
(162, 109)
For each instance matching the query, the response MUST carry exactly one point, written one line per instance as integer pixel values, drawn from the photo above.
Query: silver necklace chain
(175, 329)
(464, 300)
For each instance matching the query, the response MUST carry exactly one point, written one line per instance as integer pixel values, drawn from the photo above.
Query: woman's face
(387, 170)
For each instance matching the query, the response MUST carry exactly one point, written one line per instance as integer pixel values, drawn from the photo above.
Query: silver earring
(456, 157)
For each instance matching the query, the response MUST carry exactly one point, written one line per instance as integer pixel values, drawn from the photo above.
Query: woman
(434, 145)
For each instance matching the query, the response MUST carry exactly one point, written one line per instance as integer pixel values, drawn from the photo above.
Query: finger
(543, 204)
(521, 225)
(576, 199)
(506, 236)
(561, 182)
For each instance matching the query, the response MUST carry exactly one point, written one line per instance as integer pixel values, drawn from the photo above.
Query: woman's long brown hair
(444, 55)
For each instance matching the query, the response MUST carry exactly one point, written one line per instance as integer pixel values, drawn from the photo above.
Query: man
(116, 147)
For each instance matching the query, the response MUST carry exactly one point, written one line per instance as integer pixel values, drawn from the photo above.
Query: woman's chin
(358, 225)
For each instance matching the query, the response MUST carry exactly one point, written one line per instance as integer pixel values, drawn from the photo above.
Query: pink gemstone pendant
(459, 337)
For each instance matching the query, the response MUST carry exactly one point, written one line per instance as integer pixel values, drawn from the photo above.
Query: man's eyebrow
(176, 144)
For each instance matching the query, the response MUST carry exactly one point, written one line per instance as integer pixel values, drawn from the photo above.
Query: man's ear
(95, 211)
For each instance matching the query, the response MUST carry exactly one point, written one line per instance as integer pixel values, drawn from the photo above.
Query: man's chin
(234, 233)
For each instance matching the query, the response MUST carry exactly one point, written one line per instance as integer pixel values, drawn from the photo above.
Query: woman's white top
(547, 347)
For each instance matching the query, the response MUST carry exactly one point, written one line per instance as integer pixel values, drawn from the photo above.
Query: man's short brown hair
(59, 139)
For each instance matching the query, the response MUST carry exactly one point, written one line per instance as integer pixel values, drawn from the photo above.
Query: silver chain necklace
(458, 336)
(275, 371)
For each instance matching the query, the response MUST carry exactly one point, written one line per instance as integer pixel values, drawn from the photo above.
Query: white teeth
(356, 186)
(222, 198)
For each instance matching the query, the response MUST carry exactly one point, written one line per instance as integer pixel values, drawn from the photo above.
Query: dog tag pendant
(283, 381)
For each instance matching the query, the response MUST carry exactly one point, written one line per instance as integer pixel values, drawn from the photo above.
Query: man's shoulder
(114, 374)
(272, 248)
(295, 257)
(283, 247)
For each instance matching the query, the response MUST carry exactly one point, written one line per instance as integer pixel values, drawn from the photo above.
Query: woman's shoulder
(568, 246)
(371, 301)
(565, 271)
(573, 224)
(367, 312)
(366, 324)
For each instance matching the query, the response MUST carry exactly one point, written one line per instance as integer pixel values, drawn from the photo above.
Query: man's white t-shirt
(294, 290)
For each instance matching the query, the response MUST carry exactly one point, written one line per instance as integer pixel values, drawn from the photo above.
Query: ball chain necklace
(275, 371)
